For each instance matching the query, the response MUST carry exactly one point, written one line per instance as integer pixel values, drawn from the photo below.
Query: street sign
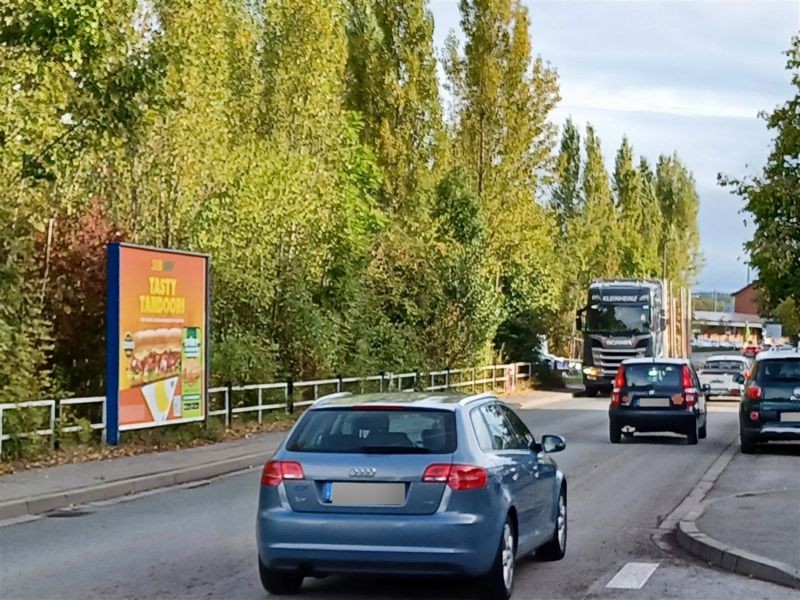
(774, 331)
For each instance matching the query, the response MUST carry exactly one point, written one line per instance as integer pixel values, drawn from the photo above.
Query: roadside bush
(20, 425)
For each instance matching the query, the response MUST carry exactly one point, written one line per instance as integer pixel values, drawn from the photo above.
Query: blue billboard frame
(113, 285)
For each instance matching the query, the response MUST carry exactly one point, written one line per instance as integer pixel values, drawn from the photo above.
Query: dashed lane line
(632, 576)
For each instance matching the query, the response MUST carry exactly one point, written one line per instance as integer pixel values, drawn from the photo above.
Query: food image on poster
(155, 353)
(161, 337)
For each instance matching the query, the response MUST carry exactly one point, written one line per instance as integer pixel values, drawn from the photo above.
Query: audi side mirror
(553, 443)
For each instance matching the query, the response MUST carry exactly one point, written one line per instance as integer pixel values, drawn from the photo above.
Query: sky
(674, 75)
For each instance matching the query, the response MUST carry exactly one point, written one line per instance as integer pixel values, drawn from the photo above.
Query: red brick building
(746, 300)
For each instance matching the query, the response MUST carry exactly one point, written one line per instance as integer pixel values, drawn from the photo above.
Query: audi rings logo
(362, 472)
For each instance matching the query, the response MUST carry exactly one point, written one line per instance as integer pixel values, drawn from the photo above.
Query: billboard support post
(111, 405)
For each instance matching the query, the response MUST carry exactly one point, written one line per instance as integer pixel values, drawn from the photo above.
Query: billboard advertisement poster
(156, 338)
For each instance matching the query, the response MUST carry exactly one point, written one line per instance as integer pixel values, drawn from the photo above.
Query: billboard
(156, 338)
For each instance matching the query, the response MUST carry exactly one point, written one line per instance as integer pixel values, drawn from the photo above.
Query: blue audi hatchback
(410, 483)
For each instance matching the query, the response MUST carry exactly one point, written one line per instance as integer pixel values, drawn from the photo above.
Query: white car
(724, 374)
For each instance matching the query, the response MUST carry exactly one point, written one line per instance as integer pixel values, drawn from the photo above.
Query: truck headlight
(591, 371)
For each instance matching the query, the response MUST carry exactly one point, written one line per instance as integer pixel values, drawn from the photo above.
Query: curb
(683, 522)
(731, 558)
(39, 504)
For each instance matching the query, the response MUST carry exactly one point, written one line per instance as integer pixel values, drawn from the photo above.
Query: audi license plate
(654, 402)
(790, 417)
(345, 493)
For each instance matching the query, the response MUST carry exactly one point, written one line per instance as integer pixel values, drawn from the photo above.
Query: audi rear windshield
(375, 431)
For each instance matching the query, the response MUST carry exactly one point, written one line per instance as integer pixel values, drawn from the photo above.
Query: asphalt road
(198, 541)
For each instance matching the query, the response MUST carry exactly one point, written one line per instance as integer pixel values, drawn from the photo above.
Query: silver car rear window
(375, 431)
(732, 366)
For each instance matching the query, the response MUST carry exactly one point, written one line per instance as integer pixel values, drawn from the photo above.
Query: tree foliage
(773, 200)
(355, 223)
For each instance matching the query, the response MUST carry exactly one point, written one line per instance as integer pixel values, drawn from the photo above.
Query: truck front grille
(609, 359)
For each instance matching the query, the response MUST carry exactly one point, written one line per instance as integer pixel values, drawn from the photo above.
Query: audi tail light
(458, 477)
(276, 471)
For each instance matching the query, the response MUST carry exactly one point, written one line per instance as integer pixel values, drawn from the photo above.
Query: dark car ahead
(654, 395)
(770, 408)
(412, 484)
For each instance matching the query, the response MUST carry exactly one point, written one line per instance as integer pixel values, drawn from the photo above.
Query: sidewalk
(750, 520)
(41, 490)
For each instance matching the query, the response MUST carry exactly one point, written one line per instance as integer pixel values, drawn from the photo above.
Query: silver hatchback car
(410, 483)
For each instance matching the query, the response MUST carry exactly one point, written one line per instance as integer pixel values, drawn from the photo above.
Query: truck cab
(622, 319)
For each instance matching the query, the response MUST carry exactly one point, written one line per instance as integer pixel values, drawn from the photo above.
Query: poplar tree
(652, 221)
(502, 99)
(566, 199)
(391, 81)
(680, 240)
(598, 229)
(627, 188)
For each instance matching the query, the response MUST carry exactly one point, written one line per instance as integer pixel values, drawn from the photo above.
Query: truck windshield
(618, 318)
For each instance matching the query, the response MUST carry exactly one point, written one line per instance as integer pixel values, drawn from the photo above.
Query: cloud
(579, 96)
(675, 75)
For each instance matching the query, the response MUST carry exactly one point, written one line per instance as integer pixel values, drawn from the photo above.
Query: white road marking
(632, 576)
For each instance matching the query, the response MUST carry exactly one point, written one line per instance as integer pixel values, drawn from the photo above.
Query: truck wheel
(592, 392)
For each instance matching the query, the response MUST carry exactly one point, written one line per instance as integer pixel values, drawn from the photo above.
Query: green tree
(680, 240)
(652, 222)
(788, 314)
(75, 78)
(773, 200)
(391, 81)
(566, 200)
(632, 219)
(502, 98)
(597, 232)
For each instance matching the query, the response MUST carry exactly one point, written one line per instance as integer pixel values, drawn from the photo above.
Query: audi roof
(415, 399)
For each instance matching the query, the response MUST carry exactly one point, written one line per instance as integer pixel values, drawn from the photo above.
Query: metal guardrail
(228, 401)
